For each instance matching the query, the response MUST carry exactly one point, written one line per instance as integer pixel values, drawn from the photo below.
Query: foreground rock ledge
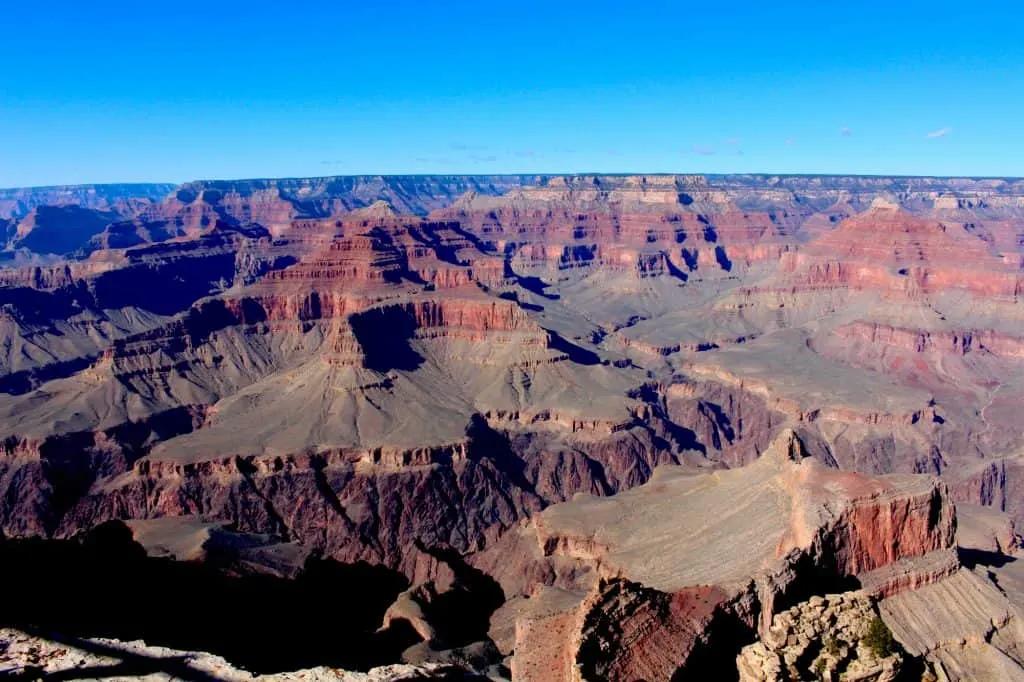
(31, 656)
(676, 575)
(822, 638)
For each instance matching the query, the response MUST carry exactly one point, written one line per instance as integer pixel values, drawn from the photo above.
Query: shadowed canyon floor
(422, 373)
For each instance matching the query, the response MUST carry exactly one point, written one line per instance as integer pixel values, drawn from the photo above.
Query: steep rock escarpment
(663, 579)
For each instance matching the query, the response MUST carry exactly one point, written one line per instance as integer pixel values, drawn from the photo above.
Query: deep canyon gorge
(556, 428)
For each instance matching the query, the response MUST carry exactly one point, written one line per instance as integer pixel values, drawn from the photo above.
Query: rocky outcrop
(653, 582)
(825, 638)
(25, 654)
(965, 626)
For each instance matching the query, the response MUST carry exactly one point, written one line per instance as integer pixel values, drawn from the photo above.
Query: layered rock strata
(661, 580)
(351, 363)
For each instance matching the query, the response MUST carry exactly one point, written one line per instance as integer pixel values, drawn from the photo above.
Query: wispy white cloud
(941, 132)
(732, 141)
(845, 132)
(790, 141)
(702, 150)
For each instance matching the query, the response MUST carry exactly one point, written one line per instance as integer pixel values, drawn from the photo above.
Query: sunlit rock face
(670, 577)
(398, 369)
(355, 362)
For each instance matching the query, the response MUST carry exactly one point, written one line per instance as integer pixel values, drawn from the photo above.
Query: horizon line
(140, 183)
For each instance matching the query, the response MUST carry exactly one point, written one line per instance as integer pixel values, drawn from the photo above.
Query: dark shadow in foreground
(130, 663)
(462, 614)
(103, 585)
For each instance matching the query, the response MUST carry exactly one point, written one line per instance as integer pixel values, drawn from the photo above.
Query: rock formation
(24, 654)
(967, 626)
(121, 198)
(665, 579)
(824, 638)
(961, 622)
(347, 366)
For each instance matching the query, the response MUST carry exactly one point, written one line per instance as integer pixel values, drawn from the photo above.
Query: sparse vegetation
(832, 646)
(879, 638)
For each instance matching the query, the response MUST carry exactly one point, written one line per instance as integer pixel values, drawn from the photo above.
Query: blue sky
(159, 91)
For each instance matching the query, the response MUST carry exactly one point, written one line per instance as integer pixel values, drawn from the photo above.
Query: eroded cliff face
(354, 363)
(370, 505)
(668, 579)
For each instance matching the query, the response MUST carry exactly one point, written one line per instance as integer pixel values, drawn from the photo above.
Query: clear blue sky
(170, 91)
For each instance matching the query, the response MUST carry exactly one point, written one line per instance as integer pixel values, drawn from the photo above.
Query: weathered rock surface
(823, 639)
(23, 654)
(663, 579)
(967, 626)
(344, 366)
(962, 623)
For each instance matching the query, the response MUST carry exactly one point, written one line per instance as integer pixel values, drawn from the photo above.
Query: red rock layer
(895, 252)
(883, 529)
(626, 631)
(563, 230)
(920, 341)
